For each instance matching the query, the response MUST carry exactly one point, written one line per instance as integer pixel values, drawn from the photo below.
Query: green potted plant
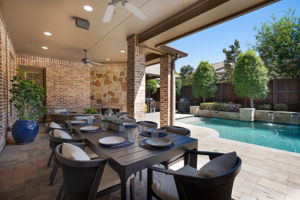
(27, 98)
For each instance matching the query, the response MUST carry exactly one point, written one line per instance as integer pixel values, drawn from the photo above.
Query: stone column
(167, 91)
(135, 79)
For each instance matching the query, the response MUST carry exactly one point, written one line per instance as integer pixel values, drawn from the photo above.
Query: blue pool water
(279, 136)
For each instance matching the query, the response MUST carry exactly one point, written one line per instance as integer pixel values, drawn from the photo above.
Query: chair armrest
(162, 170)
(211, 155)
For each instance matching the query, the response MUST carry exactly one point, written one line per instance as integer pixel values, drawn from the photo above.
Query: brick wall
(167, 106)
(135, 79)
(67, 83)
(109, 86)
(7, 70)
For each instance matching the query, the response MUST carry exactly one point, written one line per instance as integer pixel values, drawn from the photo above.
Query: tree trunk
(251, 102)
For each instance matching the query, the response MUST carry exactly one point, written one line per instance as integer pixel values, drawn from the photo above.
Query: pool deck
(266, 173)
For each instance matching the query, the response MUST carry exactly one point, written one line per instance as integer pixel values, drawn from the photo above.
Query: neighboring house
(153, 71)
(220, 70)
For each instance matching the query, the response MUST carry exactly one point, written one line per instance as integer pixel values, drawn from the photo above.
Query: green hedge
(229, 107)
(281, 107)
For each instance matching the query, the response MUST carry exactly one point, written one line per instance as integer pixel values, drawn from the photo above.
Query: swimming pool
(279, 136)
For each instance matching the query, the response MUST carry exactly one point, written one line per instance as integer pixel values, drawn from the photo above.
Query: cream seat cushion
(61, 134)
(218, 165)
(73, 152)
(54, 125)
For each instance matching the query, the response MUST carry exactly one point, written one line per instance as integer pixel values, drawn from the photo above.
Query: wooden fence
(285, 91)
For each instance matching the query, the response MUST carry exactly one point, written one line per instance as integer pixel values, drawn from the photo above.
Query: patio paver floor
(266, 173)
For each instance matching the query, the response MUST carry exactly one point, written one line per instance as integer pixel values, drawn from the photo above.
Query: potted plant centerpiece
(27, 98)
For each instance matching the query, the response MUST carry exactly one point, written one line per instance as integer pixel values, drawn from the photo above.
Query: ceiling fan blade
(108, 13)
(134, 10)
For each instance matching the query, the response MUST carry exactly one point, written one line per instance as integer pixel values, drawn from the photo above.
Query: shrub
(208, 106)
(204, 81)
(229, 107)
(264, 107)
(250, 77)
(281, 107)
(89, 111)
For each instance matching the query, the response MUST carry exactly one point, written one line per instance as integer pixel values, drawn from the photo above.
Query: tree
(27, 97)
(178, 83)
(250, 77)
(151, 86)
(277, 42)
(231, 55)
(204, 81)
(186, 74)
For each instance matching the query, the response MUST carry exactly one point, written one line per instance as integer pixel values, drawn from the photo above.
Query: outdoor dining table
(134, 158)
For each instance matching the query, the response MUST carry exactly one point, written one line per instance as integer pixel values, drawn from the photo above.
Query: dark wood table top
(135, 157)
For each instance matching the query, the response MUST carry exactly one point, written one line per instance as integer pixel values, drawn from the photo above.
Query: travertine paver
(266, 173)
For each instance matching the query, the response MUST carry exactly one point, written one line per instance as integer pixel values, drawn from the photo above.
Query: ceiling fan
(110, 9)
(86, 61)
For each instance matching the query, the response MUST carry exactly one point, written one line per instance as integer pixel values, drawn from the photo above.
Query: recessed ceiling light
(122, 51)
(107, 59)
(44, 47)
(47, 33)
(88, 8)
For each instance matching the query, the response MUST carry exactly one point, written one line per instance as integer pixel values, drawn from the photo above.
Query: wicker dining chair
(63, 127)
(83, 179)
(186, 184)
(54, 142)
(180, 131)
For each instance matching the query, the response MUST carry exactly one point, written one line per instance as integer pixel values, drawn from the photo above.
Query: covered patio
(82, 62)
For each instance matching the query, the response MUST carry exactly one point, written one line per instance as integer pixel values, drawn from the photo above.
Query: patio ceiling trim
(227, 18)
(180, 17)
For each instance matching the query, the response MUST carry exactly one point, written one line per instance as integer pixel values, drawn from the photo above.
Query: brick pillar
(167, 91)
(135, 79)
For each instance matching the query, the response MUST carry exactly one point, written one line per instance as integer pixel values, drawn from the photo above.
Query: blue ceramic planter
(25, 131)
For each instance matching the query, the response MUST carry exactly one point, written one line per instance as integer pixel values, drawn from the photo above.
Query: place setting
(90, 129)
(151, 132)
(128, 138)
(78, 122)
(156, 143)
(115, 142)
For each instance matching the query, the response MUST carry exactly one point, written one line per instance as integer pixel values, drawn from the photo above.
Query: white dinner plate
(159, 142)
(83, 117)
(89, 128)
(78, 122)
(112, 140)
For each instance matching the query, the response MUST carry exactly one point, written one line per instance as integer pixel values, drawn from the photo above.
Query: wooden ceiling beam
(214, 23)
(197, 8)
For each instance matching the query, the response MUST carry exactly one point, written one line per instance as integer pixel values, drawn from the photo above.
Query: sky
(208, 44)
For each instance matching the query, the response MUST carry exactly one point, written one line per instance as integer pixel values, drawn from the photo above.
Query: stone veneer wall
(7, 71)
(109, 86)
(67, 83)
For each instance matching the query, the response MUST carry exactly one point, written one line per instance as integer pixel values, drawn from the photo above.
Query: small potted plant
(27, 98)
(114, 123)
